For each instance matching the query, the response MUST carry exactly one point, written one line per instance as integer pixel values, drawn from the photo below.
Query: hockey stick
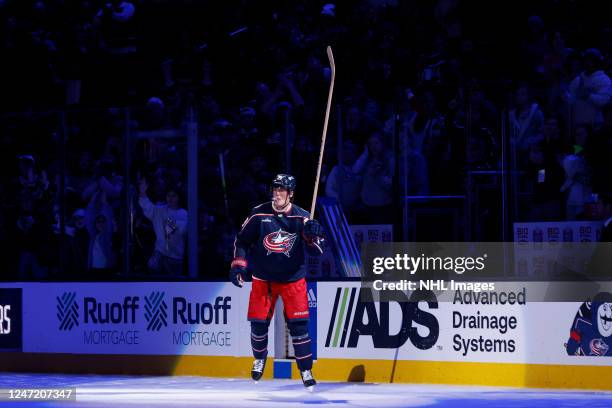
(330, 56)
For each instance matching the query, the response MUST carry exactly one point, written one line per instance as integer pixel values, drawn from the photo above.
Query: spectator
(285, 90)
(81, 176)
(117, 11)
(29, 194)
(599, 264)
(555, 75)
(536, 44)
(77, 238)
(555, 60)
(376, 166)
(428, 148)
(545, 175)
(526, 120)
(170, 225)
(554, 142)
(355, 126)
(599, 153)
(342, 183)
(253, 185)
(105, 180)
(590, 91)
(117, 28)
(606, 212)
(100, 225)
(30, 183)
(32, 231)
(480, 149)
(577, 184)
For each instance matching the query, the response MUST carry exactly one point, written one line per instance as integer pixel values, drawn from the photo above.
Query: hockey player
(274, 238)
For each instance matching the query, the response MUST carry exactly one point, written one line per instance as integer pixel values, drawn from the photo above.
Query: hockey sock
(301, 344)
(259, 339)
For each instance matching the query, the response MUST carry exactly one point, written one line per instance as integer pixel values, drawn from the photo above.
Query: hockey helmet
(285, 181)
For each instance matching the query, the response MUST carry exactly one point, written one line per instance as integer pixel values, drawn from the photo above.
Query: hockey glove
(238, 271)
(312, 231)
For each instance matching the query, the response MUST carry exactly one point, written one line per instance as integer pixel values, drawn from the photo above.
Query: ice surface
(189, 391)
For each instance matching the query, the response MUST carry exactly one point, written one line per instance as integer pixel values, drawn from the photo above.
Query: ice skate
(308, 379)
(257, 371)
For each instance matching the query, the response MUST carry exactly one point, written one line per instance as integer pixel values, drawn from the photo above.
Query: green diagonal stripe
(340, 317)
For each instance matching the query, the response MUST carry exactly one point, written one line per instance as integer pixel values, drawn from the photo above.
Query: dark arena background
(137, 136)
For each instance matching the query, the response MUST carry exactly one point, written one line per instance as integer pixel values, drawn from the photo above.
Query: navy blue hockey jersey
(273, 243)
(590, 331)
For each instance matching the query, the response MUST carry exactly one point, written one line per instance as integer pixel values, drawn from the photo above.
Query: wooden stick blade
(330, 56)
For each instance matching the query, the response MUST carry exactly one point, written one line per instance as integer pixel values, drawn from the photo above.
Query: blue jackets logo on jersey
(279, 242)
(599, 347)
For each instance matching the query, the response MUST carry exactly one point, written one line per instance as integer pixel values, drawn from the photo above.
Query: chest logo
(279, 242)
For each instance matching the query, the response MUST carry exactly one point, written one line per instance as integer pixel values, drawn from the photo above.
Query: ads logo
(156, 311)
(351, 310)
(591, 331)
(67, 311)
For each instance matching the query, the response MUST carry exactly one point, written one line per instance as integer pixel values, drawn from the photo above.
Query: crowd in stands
(97, 94)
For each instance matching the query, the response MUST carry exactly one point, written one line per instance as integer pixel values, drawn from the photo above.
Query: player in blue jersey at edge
(271, 246)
